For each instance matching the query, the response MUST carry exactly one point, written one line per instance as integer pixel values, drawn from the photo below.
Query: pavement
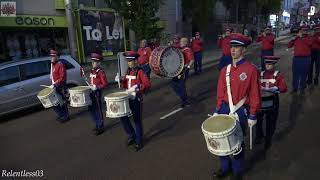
(174, 146)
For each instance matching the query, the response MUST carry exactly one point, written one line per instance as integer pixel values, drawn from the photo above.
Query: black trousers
(271, 117)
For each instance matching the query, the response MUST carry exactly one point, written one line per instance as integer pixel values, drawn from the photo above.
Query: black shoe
(130, 141)
(185, 104)
(236, 177)
(316, 82)
(267, 145)
(294, 91)
(258, 140)
(99, 131)
(309, 82)
(302, 93)
(94, 129)
(138, 147)
(220, 174)
(64, 120)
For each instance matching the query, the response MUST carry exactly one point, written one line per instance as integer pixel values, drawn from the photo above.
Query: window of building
(31, 43)
(9, 75)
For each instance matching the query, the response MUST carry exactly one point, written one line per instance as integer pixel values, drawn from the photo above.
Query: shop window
(9, 75)
(35, 69)
(86, 3)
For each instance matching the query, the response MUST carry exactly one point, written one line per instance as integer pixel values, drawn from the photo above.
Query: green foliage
(200, 12)
(140, 15)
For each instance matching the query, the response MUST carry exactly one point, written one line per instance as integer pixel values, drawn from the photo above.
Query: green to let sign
(33, 21)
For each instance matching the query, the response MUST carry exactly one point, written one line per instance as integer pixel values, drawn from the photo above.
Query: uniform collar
(96, 68)
(240, 62)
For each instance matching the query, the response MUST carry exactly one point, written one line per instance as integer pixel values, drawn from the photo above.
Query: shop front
(30, 36)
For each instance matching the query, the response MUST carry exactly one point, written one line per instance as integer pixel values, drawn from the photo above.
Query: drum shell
(155, 62)
(51, 99)
(117, 107)
(224, 143)
(267, 101)
(80, 98)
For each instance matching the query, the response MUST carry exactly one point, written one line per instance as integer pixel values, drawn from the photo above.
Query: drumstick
(250, 137)
(84, 77)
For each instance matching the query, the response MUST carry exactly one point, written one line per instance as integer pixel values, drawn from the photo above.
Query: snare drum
(267, 100)
(117, 105)
(80, 96)
(223, 135)
(166, 61)
(49, 98)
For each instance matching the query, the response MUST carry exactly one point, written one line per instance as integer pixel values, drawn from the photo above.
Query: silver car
(20, 81)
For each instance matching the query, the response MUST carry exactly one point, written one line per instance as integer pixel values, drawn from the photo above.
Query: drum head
(218, 124)
(171, 62)
(80, 88)
(117, 94)
(45, 92)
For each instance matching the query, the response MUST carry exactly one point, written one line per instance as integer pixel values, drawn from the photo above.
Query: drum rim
(158, 54)
(219, 134)
(77, 90)
(51, 91)
(181, 59)
(116, 98)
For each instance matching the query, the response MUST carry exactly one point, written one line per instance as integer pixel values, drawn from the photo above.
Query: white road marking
(170, 114)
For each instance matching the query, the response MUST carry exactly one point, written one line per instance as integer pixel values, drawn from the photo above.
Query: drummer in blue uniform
(238, 94)
(98, 82)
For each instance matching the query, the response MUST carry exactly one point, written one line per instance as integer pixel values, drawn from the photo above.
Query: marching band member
(58, 76)
(224, 45)
(197, 48)
(315, 57)
(136, 82)
(267, 42)
(98, 82)
(238, 90)
(144, 55)
(178, 83)
(271, 81)
(301, 60)
(176, 41)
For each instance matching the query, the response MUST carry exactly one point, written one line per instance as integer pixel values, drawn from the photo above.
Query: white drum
(117, 105)
(80, 96)
(223, 135)
(49, 98)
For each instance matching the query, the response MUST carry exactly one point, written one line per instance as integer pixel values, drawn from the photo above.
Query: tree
(199, 12)
(140, 15)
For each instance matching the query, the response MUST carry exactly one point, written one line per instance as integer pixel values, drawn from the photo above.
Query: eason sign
(33, 21)
(8, 8)
(102, 31)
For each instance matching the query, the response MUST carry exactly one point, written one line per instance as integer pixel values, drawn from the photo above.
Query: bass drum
(166, 61)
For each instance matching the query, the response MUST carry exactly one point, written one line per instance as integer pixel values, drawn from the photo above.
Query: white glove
(93, 87)
(51, 86)
(117, 78)
(251, 122)
(132, 89)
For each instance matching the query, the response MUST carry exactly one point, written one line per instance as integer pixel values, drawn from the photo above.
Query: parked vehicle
(294, 28)
(20, 81)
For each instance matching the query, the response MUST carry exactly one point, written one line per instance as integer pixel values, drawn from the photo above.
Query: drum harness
(233, 108)
(268, 81)
(129, 77)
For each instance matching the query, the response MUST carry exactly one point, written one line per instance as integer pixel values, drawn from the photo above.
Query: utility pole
(71, 28)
